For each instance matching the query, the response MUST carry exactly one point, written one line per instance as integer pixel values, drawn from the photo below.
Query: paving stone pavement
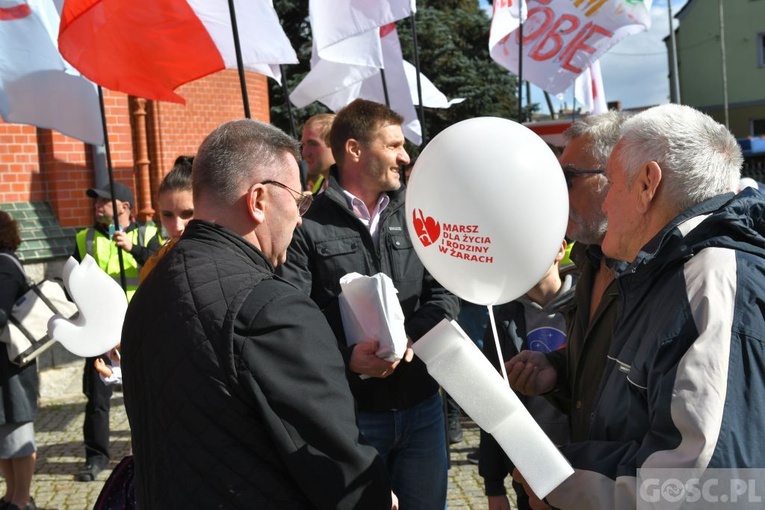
(60, 456)
(465, 485)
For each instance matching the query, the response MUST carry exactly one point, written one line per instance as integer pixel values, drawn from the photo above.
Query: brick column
(143, 179)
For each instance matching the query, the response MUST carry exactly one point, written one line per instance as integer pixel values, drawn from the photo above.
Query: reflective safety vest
(104, 251)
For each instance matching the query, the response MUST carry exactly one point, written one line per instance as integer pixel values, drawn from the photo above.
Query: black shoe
(455, 429)
(472, 457)
(30, 506)
(89, 472)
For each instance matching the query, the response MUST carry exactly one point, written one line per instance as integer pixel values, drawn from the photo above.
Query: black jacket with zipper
(235, 392)
(333, 242)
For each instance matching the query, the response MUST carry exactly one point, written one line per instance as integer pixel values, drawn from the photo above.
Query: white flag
(399, 92)
(588, 89)
(37, 86)
(561, 38)
(262, 40)
(346, 47)
(431, 96)
(505, 18)
(339, 84)
(345, 30)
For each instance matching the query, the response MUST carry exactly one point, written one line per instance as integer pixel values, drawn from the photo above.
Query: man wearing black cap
(102, 242)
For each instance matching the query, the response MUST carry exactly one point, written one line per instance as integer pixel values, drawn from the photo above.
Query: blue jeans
(412, 442)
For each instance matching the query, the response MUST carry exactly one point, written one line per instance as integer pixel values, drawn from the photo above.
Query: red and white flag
(148, 48)
(37, 87)
(562, 38)
(588, 89)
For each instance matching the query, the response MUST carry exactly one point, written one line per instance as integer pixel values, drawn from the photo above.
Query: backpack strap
(27, 279)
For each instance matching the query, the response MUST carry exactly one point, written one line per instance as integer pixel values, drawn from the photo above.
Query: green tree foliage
(453, 40)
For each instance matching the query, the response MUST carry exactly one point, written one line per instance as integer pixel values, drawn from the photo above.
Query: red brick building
(44, 174)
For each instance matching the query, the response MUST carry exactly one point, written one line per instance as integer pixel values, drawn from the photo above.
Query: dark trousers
(95, 430)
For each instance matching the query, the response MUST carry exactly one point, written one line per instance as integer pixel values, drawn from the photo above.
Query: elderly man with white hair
(685, 380)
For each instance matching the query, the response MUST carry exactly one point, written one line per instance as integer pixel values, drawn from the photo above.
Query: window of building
(758, 127)
(761, 49)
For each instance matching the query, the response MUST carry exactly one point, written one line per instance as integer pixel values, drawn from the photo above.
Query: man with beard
(679, 407)
(137, 243)
(572, 375)
(358, 225)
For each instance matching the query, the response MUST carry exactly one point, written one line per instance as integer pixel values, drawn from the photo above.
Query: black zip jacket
(333, 242)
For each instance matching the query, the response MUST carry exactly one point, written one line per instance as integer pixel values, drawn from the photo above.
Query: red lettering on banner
(15, 12)
(530, 36)
(579, 43)
(555, 35)
(550, 36)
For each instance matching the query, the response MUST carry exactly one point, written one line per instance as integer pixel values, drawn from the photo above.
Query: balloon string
(496, 344)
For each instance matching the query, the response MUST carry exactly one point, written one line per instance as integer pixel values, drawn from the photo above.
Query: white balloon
(487, 208)
(102, 304)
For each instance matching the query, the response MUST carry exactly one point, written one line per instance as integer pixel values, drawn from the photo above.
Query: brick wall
(19, 169)
(210, 102)
(68, 163)
(44, 165)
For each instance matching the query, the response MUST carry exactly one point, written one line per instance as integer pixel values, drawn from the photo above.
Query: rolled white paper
(370, 310)
(470, 379)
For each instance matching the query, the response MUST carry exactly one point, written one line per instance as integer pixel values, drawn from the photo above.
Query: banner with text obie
(562, 37)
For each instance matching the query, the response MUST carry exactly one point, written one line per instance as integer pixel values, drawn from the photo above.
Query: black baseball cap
(121, 193)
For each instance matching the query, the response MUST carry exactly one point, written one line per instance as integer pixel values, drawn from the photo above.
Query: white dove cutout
(102, 304)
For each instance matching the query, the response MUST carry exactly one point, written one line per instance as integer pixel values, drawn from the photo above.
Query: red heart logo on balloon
(428, 230)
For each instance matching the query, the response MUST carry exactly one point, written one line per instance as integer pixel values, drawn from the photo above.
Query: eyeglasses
(304, 198)
(570, 174)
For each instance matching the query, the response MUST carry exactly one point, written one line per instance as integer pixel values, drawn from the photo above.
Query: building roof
(42, 238)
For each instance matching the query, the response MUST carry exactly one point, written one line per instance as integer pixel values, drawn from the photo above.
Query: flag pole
(550, 105)
(287, 102)
(123, 279)
(239, 63)
(724, 67)
(520, 62)
(385, 87)
(421, 106)
(293, 128)
(675, 90)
